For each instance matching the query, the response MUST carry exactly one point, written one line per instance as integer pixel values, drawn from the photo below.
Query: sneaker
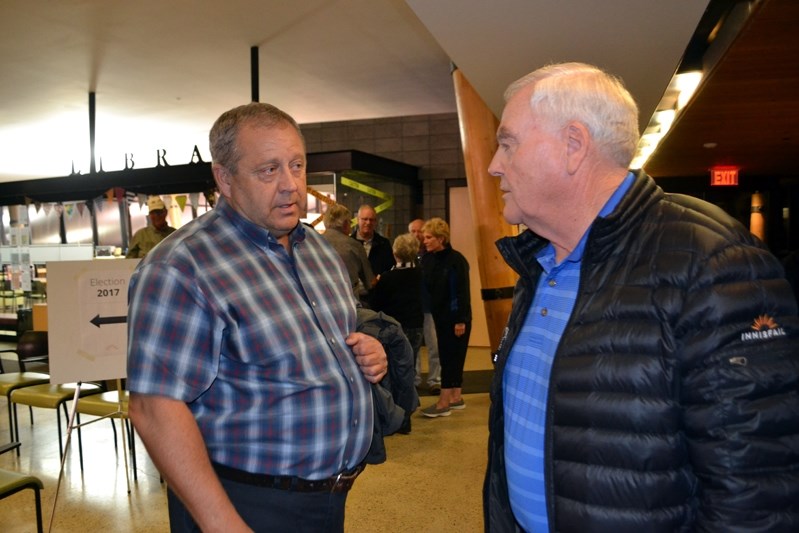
(435, 412)
(460, 404)
(434, 389)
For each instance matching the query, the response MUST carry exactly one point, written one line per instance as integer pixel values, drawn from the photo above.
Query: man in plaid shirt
(248, 386)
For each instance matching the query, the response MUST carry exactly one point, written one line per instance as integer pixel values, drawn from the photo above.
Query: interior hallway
(432, 480)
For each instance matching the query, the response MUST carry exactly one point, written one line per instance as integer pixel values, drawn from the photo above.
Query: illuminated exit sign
(723, 176)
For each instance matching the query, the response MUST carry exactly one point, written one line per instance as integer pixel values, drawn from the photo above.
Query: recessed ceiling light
(710, 145)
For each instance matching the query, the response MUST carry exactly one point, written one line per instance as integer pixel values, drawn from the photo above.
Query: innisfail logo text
(764, 327)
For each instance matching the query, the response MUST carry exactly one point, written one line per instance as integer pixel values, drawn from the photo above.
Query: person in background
(648, 375)
(446, 279)
(337, 220)
(156, 231)
(247, 384)
(398, 292)
(378, 248)
(429, 328)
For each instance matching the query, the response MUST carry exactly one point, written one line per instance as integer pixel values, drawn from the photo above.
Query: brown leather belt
(339, 483)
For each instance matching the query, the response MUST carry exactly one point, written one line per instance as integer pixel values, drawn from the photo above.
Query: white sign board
(87, 308)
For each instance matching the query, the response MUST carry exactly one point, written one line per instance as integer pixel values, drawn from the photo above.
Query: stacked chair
(31, 348)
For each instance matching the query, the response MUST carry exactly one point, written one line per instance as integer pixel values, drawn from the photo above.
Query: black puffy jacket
(395, 395)
(674, 393)
(399, 379)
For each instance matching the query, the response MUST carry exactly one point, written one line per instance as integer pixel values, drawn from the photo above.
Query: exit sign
(723, 176)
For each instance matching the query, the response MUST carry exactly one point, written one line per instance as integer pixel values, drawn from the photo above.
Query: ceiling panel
(163, 71)
(495, 43)
(746, 112)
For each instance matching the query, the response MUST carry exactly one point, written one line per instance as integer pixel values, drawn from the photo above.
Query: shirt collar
(546, 256)
(618, 194)
(257, 234)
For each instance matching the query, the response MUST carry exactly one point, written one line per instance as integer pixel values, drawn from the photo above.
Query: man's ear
(222, 177)
(578, 138)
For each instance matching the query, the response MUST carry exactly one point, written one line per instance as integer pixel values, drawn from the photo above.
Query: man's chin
(511, 216)
(290, 222)
(285, 219)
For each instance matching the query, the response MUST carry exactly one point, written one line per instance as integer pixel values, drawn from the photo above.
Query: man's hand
(174, 442)
(370, 356)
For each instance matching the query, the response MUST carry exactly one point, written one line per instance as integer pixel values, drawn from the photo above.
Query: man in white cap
(156, 231)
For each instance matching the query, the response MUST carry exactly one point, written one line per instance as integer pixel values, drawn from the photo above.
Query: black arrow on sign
(97, 321)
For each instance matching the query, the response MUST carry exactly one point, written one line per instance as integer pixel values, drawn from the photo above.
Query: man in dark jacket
(378, 248)
(337, 228)
(648, 376)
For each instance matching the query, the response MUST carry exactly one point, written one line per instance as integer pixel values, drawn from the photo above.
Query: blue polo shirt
(527, 372)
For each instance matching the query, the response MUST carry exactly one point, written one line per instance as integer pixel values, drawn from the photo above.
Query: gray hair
(591, 96)
(336, 216)
(406, 247)
(222, 138)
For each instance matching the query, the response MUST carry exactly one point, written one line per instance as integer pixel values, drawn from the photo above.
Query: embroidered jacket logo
(764, 327)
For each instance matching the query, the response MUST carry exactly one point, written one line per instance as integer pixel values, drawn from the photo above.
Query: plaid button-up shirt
(252, 339)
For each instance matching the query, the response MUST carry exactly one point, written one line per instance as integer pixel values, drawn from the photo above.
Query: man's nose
(494, 168)
(288, 180)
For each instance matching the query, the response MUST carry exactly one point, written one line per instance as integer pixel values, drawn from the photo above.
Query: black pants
(452, 353)
(271, 510)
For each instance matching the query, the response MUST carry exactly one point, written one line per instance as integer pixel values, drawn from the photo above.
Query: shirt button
(552, 283)
(355, 422)
(544, 311)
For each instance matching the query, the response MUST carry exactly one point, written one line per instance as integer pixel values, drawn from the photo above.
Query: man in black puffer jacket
(648, 379)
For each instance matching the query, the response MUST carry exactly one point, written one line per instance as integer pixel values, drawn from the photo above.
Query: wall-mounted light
(677, 95)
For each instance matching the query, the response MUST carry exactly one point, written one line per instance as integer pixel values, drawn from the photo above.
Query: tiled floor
(431, 481)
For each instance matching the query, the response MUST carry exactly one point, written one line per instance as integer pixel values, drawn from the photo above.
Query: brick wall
(430, 142)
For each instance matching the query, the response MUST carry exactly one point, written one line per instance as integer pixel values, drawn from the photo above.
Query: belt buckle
(344, 481)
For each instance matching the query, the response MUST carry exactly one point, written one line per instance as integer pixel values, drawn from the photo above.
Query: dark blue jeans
(271, 510)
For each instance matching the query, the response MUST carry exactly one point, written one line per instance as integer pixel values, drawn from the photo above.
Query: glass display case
(355, 178)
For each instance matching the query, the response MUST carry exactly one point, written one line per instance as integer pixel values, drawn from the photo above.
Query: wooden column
(478, 127)
(757, 218)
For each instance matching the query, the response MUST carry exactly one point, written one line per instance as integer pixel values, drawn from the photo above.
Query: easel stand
(119, 413)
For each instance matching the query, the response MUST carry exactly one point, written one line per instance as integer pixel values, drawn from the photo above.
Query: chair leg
(60, 440)
(16, 424)
(39, 525)
(80, 442)
(132, 446)
(13, 427)
(114, 429)
(11, 421)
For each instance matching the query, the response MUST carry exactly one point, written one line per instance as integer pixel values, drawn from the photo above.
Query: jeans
(268, 510)
(433, 366)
